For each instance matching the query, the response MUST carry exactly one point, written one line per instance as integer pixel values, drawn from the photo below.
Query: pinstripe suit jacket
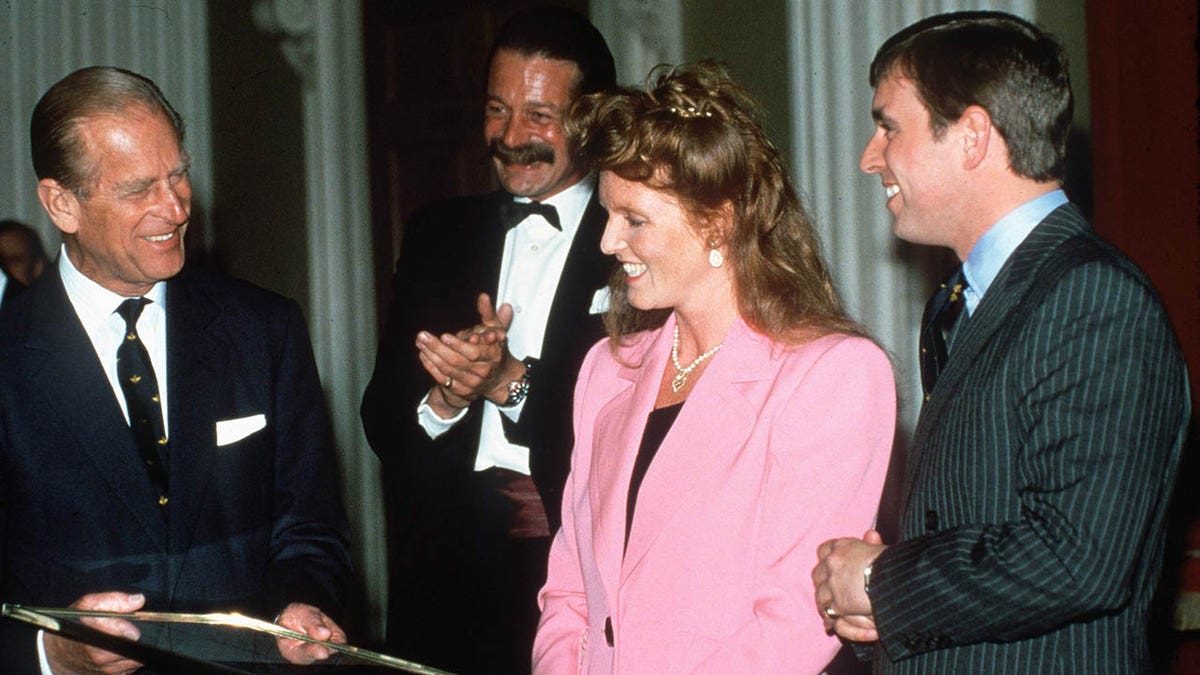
(1032, 523)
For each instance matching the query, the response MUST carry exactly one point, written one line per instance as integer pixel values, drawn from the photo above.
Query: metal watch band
(518, 389)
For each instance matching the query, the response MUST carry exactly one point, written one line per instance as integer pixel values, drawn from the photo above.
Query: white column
(641, 34)
(883, 280)
(323, 42)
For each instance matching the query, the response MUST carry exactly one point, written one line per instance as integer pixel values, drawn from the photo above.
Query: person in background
(734, 418)
(1033, 505)
(163, 437)
(9, 288)
(21, 254)
(474, 433)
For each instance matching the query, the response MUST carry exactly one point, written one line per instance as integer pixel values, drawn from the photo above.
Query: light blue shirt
(996, 245)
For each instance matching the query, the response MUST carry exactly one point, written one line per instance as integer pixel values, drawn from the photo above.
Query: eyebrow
(139, 184)
(134, 186)
(881, 117)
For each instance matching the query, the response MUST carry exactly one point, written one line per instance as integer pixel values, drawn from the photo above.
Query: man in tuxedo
(474, 432)
(1031, 529)
(163, 439)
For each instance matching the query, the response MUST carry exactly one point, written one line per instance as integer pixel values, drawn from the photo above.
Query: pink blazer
(776, 450)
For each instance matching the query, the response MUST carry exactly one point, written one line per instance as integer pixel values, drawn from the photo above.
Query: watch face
(517, 389)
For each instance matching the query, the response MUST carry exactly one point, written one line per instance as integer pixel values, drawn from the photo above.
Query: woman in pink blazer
(735, 418)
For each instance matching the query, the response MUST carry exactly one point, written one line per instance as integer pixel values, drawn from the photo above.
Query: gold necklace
(681, 373)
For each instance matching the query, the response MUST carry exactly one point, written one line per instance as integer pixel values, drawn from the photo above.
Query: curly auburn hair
(695, 134)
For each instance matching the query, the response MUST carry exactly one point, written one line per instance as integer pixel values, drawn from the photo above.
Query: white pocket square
(599, 302)
(232, 431)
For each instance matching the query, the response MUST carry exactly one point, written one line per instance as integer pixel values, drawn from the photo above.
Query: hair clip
(690, 112)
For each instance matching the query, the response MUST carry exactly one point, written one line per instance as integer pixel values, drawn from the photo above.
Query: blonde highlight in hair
(695, 133)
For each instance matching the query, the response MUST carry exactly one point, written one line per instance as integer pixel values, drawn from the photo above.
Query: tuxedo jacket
(449, 551)
(451, 253)
(776, 450)
(254, 519)
(1032, 522)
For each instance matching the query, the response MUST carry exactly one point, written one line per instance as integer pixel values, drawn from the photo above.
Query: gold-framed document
(174, 642)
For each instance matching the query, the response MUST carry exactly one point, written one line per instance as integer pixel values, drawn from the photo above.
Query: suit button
(931, 520)
(608, 634)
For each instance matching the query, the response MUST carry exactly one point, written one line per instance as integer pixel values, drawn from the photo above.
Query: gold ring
(832, 613)
(449, 382)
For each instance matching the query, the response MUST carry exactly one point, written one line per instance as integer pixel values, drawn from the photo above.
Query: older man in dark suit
(474, 434)
(163, 440)
(1034, 498)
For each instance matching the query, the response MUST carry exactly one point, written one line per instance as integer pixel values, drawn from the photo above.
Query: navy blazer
(251, 525)
(1032, 523)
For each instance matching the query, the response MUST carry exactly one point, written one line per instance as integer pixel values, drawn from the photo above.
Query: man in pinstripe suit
(1033, 506)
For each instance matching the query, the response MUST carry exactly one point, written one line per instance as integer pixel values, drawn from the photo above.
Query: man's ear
(976, 129)
(61, 204)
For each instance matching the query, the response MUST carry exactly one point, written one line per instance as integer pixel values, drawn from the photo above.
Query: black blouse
(657, 425)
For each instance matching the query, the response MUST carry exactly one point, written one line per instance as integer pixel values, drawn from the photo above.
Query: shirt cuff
(513, 412)
(432, 424)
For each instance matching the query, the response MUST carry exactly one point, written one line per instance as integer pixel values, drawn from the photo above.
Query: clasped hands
(68, 656)
(472, 363)
(838, 585)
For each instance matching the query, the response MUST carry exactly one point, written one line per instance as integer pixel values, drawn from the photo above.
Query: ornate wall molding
(295, 22)
(641, 35)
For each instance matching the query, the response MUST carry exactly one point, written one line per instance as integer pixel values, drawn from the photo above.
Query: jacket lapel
(707, 436)
(714, 423)
(617, 435)
(585, 270)
(1000, 305)
(68, 370)
(197, 358)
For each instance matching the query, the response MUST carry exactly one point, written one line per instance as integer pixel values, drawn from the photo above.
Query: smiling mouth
(160, 237)
(634, 270)
(891, 190)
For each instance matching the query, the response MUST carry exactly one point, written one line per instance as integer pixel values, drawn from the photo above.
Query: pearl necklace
(681, 373)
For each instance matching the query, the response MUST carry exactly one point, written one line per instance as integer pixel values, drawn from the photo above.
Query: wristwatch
(518, 389)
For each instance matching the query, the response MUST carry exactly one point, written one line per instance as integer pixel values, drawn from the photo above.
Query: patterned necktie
(940, 313)
(512, 213)
(140, 387)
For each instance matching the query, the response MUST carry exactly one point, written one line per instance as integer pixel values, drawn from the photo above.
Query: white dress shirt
(534, 256)
(96, 308)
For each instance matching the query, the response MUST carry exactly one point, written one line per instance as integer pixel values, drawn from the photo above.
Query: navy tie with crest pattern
(940, 314)
(140, 387)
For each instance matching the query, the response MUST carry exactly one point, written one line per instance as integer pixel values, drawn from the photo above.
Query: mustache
(526, 153)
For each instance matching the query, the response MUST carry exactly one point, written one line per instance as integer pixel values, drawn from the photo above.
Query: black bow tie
(512, 213)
